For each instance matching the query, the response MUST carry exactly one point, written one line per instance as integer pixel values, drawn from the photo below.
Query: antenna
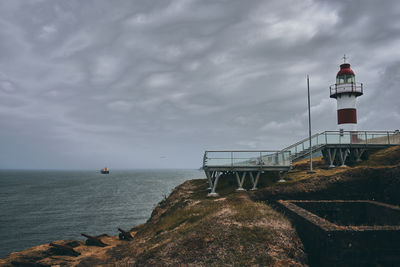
(309, 123)
(344, 58)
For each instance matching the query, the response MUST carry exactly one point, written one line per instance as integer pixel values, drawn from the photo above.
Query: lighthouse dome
(345, 74)
(345, 83)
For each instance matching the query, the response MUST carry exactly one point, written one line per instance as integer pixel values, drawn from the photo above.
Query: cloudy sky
(143, 84)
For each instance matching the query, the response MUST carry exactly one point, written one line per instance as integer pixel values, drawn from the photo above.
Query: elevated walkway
(242, 163)
(337, 148)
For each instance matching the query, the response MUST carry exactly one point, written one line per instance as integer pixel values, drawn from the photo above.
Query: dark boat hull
(105, 172)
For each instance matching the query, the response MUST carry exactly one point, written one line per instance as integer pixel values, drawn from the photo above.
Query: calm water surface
(41, 206)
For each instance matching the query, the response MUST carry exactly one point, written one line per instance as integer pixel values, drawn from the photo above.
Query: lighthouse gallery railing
(335, 89)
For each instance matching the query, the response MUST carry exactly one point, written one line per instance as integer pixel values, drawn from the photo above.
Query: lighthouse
(346, 91)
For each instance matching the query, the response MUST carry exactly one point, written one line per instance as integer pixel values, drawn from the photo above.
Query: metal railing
(246, 158)
(367, 138)
(335, 89)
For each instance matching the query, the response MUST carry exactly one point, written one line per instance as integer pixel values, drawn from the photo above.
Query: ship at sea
(105, 170)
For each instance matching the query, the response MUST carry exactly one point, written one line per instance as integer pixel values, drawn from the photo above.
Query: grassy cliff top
(384, 158)
(375, 178)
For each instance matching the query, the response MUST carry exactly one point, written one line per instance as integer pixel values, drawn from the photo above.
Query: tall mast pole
(309, 121)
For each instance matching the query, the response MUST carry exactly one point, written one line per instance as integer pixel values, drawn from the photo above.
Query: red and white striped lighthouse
(346, 91)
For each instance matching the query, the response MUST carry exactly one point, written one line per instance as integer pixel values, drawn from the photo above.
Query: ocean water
(41, 206)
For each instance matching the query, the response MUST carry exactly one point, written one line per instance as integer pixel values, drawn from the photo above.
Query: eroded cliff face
(188, 229)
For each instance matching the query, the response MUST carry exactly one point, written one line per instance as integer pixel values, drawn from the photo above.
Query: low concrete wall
(330, 244)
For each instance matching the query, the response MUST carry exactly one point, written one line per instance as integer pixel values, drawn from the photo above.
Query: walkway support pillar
(213, 193)
(331, 156)
(358, 153)
(343, 153)
(255, 181)
(282, 176)
(240, 181)
(209, 179)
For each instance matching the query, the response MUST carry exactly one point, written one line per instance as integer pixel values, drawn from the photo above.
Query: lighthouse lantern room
(346, 91)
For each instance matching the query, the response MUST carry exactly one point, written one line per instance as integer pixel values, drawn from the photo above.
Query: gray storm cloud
(143, 84)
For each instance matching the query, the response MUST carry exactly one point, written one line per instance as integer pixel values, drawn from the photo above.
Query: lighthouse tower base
(348, 127)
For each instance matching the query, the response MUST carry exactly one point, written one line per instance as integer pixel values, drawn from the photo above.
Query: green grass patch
(188, 215)
(383, 157)
(249, 211)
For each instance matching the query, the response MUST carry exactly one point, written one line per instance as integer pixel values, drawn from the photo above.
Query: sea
(38, 207)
